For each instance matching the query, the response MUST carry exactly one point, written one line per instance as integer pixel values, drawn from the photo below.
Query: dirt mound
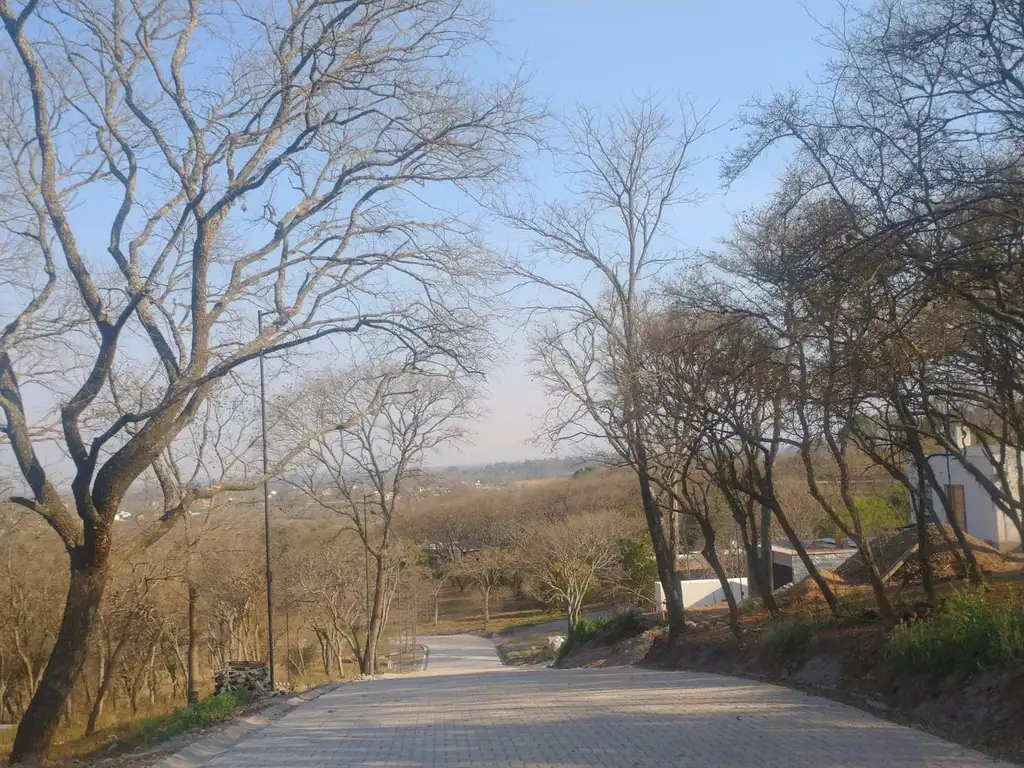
(624, 653)
(799, 591)
(897, 558)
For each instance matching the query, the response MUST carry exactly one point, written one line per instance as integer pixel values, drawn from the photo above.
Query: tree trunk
(106, 673)
(369, 662)
(67, 711)
(759, 571)
(812, 569)
(924, 513)
(85, 591)
(673, 529)
(437, 607)
(711, 555)
(759, 556)
(133, 698)
(662, 556)
(974, 573)
(487, 606)
(325, 652)
(192, 693)
(767, 557)
(757, 548)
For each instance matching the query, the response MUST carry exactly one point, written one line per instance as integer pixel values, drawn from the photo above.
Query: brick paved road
(467, 710)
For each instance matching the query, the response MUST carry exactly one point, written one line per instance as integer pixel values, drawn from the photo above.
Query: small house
(825, 554)
(970, 504)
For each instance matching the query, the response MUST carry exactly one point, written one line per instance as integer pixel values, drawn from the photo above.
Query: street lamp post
(266, 509)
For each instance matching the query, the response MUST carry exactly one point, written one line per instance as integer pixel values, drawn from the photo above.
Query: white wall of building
(984, 519)
(702, 592)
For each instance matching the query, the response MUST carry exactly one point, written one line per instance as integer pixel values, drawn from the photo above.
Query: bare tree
(437, 577)
(124, 607)
(678, 387)
(596, 254)
(331, 581)
(360, 470)
(185, 162)
(914, 130)
(716, 386)
(564, 561)
(488, 570)
(29, 616)
(819, 298)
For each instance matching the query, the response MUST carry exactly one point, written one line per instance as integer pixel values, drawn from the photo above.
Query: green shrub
(610, 629)
(218, 706)
(580, 632)
(619, 626)
(970, 633)
(785, 635)
(639, 568)
(878, 513)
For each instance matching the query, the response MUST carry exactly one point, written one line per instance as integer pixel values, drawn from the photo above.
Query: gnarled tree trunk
(85, 591)
(192, 693)
(662, 556)
(711, 555)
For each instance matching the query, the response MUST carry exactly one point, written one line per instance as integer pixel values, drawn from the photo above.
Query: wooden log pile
(250, 676)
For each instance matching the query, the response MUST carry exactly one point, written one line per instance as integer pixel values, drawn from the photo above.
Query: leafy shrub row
(971, 633)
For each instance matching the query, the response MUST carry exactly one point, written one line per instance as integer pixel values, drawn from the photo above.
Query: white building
(972, 505)
(702, 592)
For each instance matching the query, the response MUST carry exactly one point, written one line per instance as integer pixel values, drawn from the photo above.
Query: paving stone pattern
(467, 710)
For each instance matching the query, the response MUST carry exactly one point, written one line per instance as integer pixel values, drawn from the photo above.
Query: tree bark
(572, 614)
(192, 692)
(106, 673)
(767, 557)
(812, 569)
(662, 556)
(711, 555)
(921, 519)
(369, 661)
(41, 719)
(673, 529)
(758, 550)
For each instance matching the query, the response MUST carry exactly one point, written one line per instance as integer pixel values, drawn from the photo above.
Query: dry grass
(500, 620)
(121, 729)
(71, 742)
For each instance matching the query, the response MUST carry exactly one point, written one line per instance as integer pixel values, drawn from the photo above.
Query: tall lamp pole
(266, 509)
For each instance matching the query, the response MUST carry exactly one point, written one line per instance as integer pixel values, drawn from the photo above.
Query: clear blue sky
(602, 53)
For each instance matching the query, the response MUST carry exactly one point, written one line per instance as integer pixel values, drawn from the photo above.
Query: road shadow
(614, 717)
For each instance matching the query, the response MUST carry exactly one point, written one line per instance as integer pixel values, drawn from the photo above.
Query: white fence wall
(702, 592)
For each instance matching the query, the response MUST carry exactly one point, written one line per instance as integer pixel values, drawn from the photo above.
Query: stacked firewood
(251, 676)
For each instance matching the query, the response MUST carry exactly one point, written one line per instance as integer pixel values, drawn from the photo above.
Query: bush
(785, 635)
(218, 706)
(620, 626)
(608, 630)
(880, 513)
(639, 568)
(580, 632)
(970, 633)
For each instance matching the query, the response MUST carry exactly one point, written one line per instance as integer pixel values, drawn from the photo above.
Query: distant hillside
(513, 470)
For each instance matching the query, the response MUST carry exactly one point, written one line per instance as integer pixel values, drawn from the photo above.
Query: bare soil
(898, 560)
